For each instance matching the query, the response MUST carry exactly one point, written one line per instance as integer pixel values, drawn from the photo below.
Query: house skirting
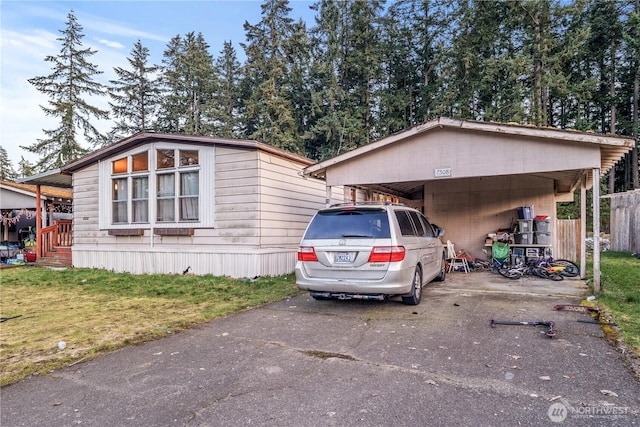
(227, 262)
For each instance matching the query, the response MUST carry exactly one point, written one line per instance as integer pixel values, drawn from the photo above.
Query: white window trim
(206, 196)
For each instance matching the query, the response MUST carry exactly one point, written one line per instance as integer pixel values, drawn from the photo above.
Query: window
(166, 197)
(120, 200)
(338, 224)
(140, 199)
(404, 222)
(160, 185)
(138, 181)
(428, 227)
(417, 223)
(188, 196)
(178, 188)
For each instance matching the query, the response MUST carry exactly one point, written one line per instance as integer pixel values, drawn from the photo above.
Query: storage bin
(542, 225)
(532, 253)
(523, 238)
(525, 212)
(525, 226)
(30, 256)
(543, 238)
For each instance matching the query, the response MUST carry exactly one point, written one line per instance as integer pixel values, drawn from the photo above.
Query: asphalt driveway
(301, 362)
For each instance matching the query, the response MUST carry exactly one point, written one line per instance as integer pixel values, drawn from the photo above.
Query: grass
(620, 295)
(95, 311)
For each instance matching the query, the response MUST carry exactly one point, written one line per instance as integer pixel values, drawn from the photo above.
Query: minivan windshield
(355, 223)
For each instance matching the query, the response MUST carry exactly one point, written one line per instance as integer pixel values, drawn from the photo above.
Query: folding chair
(454, 260)
(499, 254)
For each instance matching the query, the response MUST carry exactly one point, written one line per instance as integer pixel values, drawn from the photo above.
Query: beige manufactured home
(170, 204)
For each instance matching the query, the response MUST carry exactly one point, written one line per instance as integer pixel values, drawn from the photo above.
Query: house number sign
(442, 172)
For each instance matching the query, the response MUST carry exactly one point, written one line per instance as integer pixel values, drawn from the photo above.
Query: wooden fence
(568, 231)
(625, 221)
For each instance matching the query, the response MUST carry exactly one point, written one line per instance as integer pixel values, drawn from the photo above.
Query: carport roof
(612, 148)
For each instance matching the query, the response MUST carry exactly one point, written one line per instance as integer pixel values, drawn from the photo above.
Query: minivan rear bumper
(395, 282)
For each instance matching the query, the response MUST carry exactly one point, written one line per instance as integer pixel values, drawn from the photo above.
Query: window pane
(405, 224)
(119, 166)
(120, 196)
(140, 201)
(140, 162)
(165, 159)
(189, 190)
(188, 157)
(337, 224)
(166, 197)
(417, 223)
(189, 184)
(189, 209)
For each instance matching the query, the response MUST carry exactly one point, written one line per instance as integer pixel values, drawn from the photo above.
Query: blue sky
(29, 30)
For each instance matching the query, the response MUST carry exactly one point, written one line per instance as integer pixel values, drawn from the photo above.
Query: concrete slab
(301, 362)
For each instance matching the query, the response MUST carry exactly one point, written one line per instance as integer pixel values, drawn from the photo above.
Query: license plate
(342, 257)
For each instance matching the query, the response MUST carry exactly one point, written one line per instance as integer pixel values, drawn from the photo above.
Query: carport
(470, 177)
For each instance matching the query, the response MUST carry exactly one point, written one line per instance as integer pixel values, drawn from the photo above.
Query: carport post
(596, 230)
(583, 226)
(327, 199)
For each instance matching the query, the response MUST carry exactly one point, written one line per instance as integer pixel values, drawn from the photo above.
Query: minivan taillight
(307, 253)
(386, 254)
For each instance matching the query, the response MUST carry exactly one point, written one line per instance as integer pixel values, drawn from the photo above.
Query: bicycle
(532, 268)
(565, 267)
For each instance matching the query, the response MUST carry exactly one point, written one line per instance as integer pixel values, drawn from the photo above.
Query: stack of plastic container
(542, 230)
(524, 235)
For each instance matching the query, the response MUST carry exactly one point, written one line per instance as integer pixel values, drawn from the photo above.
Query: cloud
(109, 43)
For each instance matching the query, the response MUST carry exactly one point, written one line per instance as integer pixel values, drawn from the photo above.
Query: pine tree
(632, 36)
(135, 94)
(328, 118)
(414, 40)
(226, 98)
(7, 173)
(25, 167)
(71, 79)
(269, 51)
(362, 69)
(188, 82)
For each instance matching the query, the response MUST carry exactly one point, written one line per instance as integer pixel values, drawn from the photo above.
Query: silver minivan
(369, 251)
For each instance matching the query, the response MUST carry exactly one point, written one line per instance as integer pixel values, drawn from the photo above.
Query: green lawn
(95, 311)
(620, 294)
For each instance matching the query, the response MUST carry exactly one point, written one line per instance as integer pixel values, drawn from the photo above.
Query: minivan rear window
(355, 223)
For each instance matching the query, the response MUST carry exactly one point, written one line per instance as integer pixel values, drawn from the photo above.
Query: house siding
(261, 204)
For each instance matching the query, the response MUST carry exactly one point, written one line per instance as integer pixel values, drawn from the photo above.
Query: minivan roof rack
(366, 203)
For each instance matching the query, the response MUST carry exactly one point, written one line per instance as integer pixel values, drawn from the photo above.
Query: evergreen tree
(630, 90)
(135, 94)
(71, 79)
(226, 98)
(269, 50)
(571, 92)
(414, 40)
(188, 81)
(7, 173)
(329, 121)
(362, 70)
(25, 167)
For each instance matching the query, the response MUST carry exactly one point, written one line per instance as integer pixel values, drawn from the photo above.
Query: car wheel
(416, 289)
(443, 270)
